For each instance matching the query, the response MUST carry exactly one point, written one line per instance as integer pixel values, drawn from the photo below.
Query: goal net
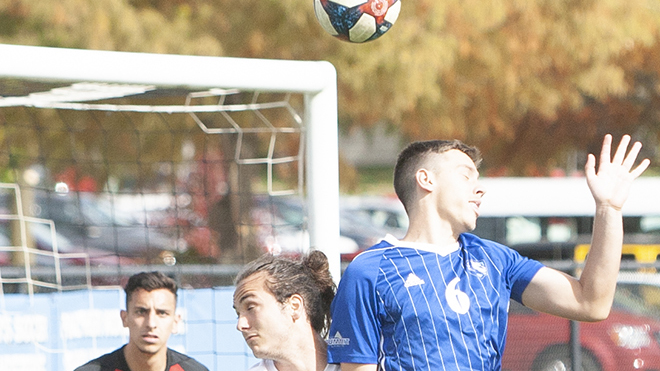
(114, 163)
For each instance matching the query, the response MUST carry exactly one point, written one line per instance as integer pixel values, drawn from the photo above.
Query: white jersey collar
(269, 365)
(441, 250)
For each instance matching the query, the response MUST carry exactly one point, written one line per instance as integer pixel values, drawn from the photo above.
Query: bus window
(650, 224)
(523, 230)
(561, 229)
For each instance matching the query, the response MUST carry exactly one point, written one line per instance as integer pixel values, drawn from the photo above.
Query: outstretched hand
(610, 186)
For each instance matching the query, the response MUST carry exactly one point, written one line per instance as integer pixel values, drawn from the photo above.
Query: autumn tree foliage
(531, 82)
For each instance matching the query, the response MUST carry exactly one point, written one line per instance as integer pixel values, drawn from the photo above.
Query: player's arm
(589, 298)
(357, 367)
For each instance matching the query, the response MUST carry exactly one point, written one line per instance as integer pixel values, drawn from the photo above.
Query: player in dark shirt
(151, 318)
(116, 361)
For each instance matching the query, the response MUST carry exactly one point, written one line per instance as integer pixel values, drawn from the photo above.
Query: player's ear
(425, 179)
(177, 320)
(123, 314)
(297, 305)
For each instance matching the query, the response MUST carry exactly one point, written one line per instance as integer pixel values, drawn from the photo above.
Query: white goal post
(315, 80)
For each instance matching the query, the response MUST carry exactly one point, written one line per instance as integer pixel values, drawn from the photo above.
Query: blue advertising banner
(61, 331)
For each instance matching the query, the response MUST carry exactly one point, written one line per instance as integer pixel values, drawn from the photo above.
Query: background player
(151, 318)
(283, 308)
(438, 299)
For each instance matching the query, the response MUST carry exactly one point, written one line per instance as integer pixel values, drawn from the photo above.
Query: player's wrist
(607, 207)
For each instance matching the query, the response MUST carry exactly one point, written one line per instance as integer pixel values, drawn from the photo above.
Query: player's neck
(315, 357)
(321, 348)
(430, 229)
(140, 361)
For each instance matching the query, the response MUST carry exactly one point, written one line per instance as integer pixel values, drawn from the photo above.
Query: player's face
(150, 318)
(264, 323)
(458, 190)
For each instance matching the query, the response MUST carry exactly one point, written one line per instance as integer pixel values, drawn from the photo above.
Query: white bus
(548, 218)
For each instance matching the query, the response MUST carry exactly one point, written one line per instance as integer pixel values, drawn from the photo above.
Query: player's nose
(480, 189)
(152, 320)
(242, 323)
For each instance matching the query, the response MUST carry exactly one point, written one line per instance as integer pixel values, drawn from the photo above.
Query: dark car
(84, 225)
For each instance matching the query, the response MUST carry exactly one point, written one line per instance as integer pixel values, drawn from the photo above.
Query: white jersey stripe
(435, 331)
(414, 307)
(460, 322)
(396, 345)
(403, 323)
(421, 332)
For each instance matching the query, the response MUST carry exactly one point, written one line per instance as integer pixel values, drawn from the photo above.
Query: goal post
(315, 80)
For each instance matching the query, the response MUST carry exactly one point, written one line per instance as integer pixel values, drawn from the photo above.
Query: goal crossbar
(315, 80)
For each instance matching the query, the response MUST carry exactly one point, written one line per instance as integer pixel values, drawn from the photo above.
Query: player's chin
(150, 348)
(470, 225)
(259, 352)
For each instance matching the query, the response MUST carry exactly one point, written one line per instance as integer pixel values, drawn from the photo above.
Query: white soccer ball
(357, 20)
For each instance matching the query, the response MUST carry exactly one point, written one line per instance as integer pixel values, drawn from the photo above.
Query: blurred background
(534, 84)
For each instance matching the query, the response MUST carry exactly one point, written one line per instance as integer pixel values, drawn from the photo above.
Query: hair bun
(316, 261)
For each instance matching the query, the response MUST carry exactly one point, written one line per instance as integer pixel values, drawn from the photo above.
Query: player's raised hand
(610, 185)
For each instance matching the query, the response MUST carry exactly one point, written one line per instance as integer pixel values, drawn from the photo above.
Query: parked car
(83, 225)
(384, 212)
(629, 339)
(281, 224)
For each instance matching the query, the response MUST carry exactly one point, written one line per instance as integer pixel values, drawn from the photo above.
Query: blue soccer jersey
(410, 306)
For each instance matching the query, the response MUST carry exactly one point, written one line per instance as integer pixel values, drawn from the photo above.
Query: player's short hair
(412, 157)
(149, 281)
(308, 276)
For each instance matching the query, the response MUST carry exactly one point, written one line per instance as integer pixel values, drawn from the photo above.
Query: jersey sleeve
(114, 361)
(355, 329)
(520, 273)
(89, 367)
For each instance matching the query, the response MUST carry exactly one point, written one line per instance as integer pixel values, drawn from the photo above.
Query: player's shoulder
(469, 240)
(370, 256)
(365, 265)
(110, 361)
(185, 362)
(89, 366)
(483, 247)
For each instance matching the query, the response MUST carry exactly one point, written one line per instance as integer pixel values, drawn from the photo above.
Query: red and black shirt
(116, 361)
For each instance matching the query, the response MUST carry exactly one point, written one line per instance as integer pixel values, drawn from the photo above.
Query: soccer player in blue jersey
(438, 298)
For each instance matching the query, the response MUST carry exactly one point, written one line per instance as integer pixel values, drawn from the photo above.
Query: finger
(620, 153)
(605, 151)
(590, 167)
(632, 155)
(640, 168)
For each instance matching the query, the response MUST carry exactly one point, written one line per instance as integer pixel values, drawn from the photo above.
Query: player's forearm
(598, 279)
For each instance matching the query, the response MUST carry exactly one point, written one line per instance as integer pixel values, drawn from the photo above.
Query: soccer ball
(357, 20)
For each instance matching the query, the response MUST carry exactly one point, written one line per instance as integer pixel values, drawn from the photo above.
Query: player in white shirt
(283, 308)
(438, 299)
